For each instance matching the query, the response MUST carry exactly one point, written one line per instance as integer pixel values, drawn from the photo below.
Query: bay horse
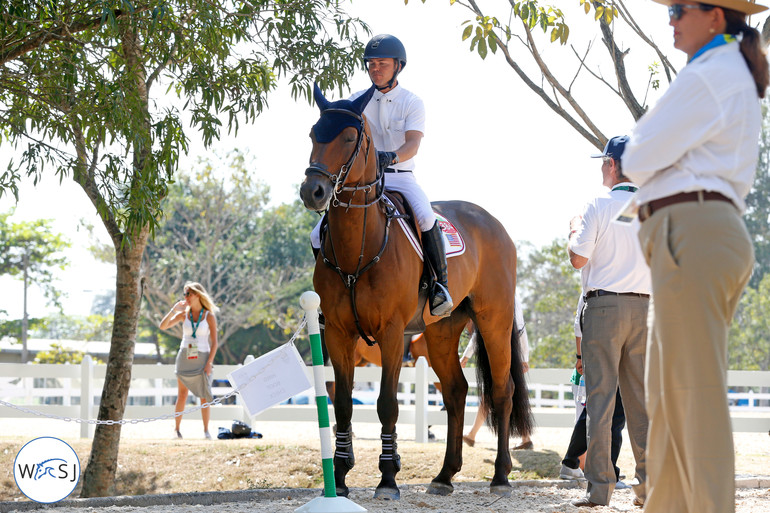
(368, 277)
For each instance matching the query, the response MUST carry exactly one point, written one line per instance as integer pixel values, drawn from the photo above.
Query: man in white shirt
(616, 281)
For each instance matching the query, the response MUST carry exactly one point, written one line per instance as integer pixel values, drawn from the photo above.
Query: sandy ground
(527, 496)
(467, 498)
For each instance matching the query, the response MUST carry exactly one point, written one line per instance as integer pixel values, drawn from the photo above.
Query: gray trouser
(614, 347)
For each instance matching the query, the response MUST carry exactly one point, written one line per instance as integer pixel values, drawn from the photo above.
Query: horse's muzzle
(316, 190)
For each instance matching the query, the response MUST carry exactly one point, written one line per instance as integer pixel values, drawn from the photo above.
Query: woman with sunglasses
(195, 359)
(694, 156)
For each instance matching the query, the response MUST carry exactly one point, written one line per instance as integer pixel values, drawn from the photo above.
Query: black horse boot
(433, 246)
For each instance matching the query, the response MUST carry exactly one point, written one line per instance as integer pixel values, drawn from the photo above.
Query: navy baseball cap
(614, 148)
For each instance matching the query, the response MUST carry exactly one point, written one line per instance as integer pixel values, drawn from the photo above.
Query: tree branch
(618, 56)
(667, 66)
(598, 136)
(44, 36)
(596, 76)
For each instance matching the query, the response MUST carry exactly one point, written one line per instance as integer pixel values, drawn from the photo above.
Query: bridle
(338, 181)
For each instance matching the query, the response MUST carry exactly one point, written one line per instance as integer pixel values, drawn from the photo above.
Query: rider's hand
(387, 158)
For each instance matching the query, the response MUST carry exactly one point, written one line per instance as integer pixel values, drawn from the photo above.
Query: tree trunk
(99, 475)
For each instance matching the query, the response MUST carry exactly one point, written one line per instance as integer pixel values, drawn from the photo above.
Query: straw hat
(744, 6)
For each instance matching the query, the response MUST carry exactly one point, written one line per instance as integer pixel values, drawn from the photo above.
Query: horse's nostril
(319, 193)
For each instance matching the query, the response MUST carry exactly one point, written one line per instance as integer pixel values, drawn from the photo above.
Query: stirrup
(444, 308)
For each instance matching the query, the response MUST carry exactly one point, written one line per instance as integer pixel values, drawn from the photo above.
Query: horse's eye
(350, 139)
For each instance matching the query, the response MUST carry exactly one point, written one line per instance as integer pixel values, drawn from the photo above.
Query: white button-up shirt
(615, 259)
(702, 134)
(391, 115)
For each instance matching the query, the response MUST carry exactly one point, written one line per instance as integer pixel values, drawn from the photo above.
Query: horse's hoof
(440, 489)
(342, 492)
(503, 490)
(387, 494)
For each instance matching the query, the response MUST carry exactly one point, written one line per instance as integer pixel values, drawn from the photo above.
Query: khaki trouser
(701, 256)
(613, 347)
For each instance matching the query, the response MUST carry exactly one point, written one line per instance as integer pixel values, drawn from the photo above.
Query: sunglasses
(188, 293)
(676, 11)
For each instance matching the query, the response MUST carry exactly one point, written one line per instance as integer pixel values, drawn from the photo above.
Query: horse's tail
(521, 420)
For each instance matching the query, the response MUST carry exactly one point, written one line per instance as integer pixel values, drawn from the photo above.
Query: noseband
(338, 179)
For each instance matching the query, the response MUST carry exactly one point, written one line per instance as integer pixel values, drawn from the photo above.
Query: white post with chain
(86, 394)
(421, 401)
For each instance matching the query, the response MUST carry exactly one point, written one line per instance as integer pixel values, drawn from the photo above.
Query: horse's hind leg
(494, 360)
(442, 339)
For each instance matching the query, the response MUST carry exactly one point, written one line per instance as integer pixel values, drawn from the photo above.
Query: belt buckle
(645, 211)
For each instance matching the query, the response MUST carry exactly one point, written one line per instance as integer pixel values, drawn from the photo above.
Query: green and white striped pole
(329, 503)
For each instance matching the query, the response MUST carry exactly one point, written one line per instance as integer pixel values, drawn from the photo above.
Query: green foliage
(60, 354)
(549, 287)
(69, 327)
(34, 246)
(12, 328)
(253, 260)
(749, 344)
(90, 67)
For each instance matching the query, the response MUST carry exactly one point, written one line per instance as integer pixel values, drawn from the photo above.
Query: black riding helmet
(385, 46)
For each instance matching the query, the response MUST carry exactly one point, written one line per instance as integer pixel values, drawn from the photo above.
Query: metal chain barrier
(151, 419)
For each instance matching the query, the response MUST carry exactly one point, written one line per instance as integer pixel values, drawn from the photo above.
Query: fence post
(421, 400)
(158, 384)
(329, 503)
(86, 394)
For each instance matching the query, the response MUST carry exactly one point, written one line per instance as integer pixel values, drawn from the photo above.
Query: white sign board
(271, 378)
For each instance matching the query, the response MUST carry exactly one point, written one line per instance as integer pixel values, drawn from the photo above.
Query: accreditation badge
(192, 351)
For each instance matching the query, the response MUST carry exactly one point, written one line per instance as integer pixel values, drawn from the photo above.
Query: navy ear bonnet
(332, 123)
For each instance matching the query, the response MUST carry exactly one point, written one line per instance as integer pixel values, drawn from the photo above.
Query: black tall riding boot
(433, 246)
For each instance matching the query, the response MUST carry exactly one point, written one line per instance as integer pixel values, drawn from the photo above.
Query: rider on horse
(397, 121)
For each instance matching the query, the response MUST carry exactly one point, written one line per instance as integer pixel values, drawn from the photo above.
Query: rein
(338, 181)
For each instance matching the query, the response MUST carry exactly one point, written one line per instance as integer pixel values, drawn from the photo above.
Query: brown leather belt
(646, 210)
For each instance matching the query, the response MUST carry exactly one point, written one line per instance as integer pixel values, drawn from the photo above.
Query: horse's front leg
(387, 410)
(342, 360)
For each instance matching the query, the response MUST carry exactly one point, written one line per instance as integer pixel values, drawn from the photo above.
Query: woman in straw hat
(195, 359)
(694, 156)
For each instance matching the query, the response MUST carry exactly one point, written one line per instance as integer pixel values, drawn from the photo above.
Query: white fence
(57, 390)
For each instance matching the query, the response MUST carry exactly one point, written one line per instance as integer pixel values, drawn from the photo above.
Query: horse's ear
(322, 102)
(360, 103)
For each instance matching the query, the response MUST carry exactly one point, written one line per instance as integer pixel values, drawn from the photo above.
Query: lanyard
(194, 325)
(719, 40)
(628, 188)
